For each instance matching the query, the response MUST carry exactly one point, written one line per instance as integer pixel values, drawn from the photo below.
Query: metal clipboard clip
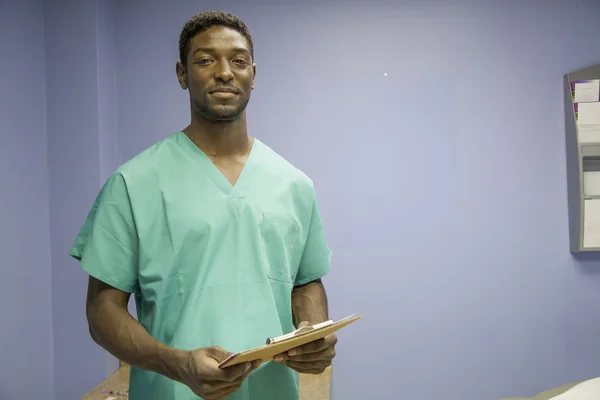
(299, 332)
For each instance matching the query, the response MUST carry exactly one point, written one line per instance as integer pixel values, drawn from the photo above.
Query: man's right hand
(124, 337)
(202, 374)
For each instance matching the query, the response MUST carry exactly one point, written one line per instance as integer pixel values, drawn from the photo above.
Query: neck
(219, 138)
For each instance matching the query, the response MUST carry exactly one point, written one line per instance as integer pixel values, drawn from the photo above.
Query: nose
(223, 72)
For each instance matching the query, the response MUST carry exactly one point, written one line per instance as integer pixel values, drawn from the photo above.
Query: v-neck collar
(215, 174)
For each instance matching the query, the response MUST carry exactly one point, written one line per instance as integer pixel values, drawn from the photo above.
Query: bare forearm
(114, 329)
(309, 303)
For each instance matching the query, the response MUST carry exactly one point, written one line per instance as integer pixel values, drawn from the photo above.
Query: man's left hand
(312, 358)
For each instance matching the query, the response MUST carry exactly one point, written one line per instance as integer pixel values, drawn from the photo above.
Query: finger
(218, 353)
(310, 371)
(306, 356)
(303, 323)
(230, 374)
(214, 386)
(307, 366)
(242, 373)
(252, 366)
(325, 355)
(316, 346)
(312, 347)
(218, 388)
(214, 372)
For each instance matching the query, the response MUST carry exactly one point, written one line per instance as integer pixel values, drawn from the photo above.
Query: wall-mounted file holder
(582, 126)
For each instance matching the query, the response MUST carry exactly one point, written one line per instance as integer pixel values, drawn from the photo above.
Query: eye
(240, 61)
(203, 61)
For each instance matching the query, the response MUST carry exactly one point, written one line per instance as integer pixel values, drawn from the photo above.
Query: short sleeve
(107, 246)
(316, 257)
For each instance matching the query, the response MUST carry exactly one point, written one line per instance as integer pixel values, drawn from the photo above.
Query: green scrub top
(209, 263)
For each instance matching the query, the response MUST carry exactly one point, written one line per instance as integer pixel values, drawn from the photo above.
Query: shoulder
(284, 171)
(150, 160)
(143, 171)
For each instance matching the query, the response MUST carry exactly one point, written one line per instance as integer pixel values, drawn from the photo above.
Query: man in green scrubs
(218, 237)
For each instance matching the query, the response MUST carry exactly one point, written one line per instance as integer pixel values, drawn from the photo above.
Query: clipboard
(288, 341)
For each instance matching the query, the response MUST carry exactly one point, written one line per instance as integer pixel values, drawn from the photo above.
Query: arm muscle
(309, 303)
(114, 328)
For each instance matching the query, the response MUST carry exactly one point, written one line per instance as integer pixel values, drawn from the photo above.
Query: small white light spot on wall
(385, 74)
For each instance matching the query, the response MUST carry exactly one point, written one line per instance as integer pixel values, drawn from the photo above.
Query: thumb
(303, 323)
(234, 372)
(218, 353)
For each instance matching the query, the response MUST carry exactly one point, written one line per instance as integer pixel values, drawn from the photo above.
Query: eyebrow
(212, 49)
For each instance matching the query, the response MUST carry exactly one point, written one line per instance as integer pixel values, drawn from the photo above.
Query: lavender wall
(26, 328)
(82, 148)
(74, 165)
(442, 184)
(58, 121)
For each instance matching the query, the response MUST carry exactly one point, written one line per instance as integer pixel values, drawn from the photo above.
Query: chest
(190, 218)
(230, 167)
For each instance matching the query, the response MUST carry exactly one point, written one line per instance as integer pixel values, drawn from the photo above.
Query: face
(219, 74)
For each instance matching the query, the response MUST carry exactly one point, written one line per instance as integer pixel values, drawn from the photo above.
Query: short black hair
(205, 20)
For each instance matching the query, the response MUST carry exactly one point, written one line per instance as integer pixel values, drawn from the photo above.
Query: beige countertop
(312, 387)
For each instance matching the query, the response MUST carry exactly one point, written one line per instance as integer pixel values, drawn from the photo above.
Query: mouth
(225, 90)
(224, 93)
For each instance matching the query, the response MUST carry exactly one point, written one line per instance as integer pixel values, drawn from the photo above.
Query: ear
(253, 74)
(181, 75)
